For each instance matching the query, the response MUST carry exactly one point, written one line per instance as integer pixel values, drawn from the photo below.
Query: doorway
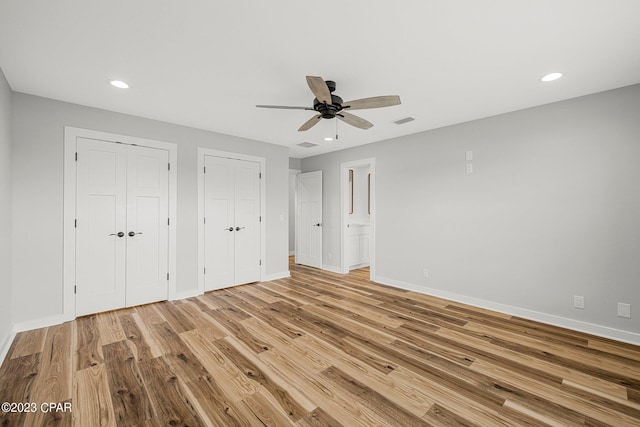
(309, 219)
(357, 206)
(231, 219)
(119, 240)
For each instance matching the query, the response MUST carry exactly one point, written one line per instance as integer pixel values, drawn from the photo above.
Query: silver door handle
(119, 234)
(133, 233)
(239, 228)
(229, 229)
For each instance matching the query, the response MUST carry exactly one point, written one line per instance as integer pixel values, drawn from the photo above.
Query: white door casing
(72, 241)
(309, 219)
(231, 222)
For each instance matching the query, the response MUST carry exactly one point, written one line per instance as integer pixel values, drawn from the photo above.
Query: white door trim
(202, 152)
(344, 217)
(69, 207)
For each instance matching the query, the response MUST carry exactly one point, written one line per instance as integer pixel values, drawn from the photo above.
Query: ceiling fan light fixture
(119, 84)
(551, 77)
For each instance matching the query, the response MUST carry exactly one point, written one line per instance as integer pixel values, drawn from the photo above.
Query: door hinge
(260, 262)
(204, 170)
(260, 218)
(167, 276)
(204, 270)
(75, 289)
(168, 166)
(76, 156)
(168, 221)
(75, 223)
(259, 175)
(204, 220)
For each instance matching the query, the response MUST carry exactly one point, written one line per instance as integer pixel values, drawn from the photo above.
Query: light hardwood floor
(318, 349)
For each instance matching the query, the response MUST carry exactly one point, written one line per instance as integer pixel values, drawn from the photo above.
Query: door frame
(202, 152)
(344, 216)
(71, 134)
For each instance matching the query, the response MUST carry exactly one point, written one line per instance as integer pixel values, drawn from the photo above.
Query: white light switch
(468, 156)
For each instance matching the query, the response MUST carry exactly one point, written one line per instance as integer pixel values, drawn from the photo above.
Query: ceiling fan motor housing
(328, 111)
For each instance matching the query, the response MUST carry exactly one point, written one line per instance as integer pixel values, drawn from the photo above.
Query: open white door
(309, 219)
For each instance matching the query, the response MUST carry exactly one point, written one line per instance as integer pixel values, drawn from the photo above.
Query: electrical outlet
(330, 255)
(578, 301)
(468, 168)
(624, 310)
(425, 272)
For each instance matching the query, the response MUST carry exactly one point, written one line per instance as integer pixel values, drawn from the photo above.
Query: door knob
(132, 233)
(229, 229)
(239, 228)
(119, 234)
(317, 225)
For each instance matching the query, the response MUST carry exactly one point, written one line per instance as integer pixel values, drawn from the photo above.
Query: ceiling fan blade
(373, 102)
(352, 120)
(284, 107)
(319, 88)
(310, 123)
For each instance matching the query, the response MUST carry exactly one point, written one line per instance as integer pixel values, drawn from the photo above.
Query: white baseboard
(43, 322)
(276, 276)
(333, 269)
(186, 294)
(7, 343)
(550, 319)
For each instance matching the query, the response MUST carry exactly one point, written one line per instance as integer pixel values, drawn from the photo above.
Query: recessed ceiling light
(119, 84)
(328, 138)
(551, 77)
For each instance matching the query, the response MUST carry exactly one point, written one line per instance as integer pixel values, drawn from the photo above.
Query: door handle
(229, 229)
(318, 224)
(132, 233)
(239, 228)
(119, 234)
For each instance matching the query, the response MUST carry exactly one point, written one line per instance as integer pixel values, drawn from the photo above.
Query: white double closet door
(122, 225)
(231, 222)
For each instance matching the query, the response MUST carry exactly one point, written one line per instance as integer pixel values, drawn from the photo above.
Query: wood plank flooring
(318, 349)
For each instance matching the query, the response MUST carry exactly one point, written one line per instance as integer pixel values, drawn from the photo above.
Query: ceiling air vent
(403, 121)
(307, 144)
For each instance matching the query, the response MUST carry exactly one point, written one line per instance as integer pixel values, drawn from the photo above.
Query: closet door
(101, 214)
(147, 225)
(219, 226)
(232, 222)
(122, 230)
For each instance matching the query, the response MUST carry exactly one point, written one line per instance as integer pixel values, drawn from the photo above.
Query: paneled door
(309, 219)
(231, 222)
(121, 227)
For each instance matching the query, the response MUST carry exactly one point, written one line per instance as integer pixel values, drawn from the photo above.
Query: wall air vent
(403, 121)
(307, 144)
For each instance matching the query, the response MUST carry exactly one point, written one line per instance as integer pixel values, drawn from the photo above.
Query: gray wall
(551, 210)
(5, 211)
(294, 164)
(37, 156)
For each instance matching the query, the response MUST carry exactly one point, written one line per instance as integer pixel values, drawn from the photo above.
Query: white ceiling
(206, 63)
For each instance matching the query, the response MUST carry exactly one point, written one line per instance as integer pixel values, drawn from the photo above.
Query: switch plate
(578, 301)
(469, 168)
(425, 272)
(624, 310)
(468, 156)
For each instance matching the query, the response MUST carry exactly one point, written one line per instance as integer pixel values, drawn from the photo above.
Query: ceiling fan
(329, 106)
